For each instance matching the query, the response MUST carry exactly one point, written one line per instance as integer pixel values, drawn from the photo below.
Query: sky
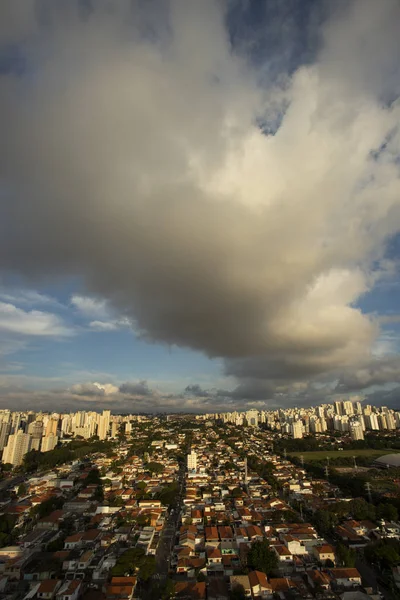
(199, 204)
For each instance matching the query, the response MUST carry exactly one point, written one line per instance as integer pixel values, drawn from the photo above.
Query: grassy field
(332, 454)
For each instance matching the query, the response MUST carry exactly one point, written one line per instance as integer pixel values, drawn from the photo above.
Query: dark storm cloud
(377, 372)
(197, 391)
(139, 388)
(134, 161)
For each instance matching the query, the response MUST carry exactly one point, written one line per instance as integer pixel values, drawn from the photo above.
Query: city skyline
(199, 205)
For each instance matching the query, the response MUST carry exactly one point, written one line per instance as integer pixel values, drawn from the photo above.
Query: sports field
(332, 454)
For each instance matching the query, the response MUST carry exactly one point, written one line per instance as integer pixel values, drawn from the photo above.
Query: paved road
(167, 537)
(369, 578)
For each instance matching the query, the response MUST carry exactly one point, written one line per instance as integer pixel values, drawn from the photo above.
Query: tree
(93, 477)
(386, 553)
(388, 512)
(329, 563)
(22, 490)
(47, 507)
(324, 521)
(362, 510)
(134, 561)
(237, 593)
(388, 556)
(262, 558)
(7, 523)
(147, 568)
(155, 467)
(346, 556)
(99, 493)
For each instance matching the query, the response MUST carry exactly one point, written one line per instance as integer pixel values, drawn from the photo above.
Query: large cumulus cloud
(132, 157)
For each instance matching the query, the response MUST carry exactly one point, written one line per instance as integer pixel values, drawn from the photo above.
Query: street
(369, 578)
(167, 538)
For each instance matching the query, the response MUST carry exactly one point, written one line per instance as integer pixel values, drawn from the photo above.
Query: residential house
(347, 577)
(260, 586)
(48, 588)
(241, 582)
(324, 553)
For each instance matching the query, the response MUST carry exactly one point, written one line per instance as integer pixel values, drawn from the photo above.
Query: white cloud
(103, 325)
(24, 296)
(15, 320)
(94, 389)
(90, 307)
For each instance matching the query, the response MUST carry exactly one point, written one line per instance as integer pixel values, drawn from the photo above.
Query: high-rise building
(51, 427)
(104, 424)
(371, 421)
(338, 408)
(16, 422)
(114, 429)
(252, 417)
(348, 408)
(4, 433)
(390, 420)
(18, 445)
(356, 430)
(297, 429)
(382, 422)
(192, 461)
(35, 429)
(49, 442)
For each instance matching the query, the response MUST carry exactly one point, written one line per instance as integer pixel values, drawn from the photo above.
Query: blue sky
(200, 203)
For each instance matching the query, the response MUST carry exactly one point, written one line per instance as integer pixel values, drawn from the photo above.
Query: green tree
(47, 507)
(147, 568)
(155, 467)
(387, 511)
(362, 510)
(385, 553)
(22, 489)
(324, 521)
(262, 558)
(237, 593)
(99, 493)
(346, 556)
(7, 523)
(93, 477)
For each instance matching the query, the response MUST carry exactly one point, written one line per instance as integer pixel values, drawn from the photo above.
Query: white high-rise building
(252, 417)
(338, 408)
(348, 407)
(192, 461)
(356, 430)
(391, 423)
(297, 429)
(382, 422)
(18, 445)
(104, 424)
(371, 421)
(49, 442)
